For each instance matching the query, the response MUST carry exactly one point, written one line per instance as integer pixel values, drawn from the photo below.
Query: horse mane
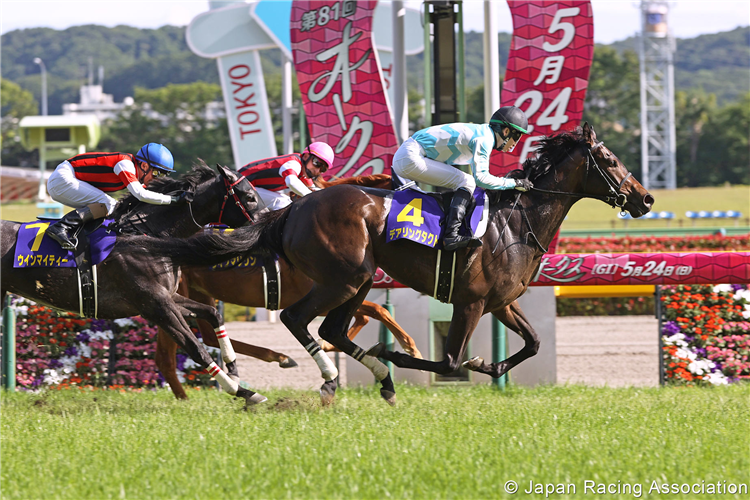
(552, 151)
(376, 180)
(186, 182)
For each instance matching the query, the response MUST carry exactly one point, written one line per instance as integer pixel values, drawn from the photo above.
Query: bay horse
(244, 286)
(132, 283)
(337, 236)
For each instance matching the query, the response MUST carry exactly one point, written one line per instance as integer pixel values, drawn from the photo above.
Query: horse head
(607, 177)
(240, 193)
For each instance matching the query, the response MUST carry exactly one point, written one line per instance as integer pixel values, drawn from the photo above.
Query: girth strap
(444, 276)
(271, 284)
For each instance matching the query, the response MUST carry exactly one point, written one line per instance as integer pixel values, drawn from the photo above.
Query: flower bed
(60, 350)
(638, 244)
(706, 334)
(703, 243)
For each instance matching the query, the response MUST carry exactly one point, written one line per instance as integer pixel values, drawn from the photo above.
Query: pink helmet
(322, 151)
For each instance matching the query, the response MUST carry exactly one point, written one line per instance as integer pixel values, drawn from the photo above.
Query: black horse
(338, 238)
(133, 283)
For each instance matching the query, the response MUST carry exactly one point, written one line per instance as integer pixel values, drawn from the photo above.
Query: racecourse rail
(598, 275)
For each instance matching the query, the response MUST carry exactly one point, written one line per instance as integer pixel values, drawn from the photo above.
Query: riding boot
(462, 200)
(66, 229)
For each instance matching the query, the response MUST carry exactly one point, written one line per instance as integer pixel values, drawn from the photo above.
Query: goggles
(323, 166)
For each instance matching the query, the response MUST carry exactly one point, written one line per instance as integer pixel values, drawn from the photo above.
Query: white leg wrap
(227, 351)
(376, 367)
(327, 368)
(225, 382)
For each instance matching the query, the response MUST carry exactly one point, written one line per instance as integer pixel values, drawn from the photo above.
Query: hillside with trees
(156, 66)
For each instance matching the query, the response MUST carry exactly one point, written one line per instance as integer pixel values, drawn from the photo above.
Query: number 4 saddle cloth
(420, 217)
(35, 249)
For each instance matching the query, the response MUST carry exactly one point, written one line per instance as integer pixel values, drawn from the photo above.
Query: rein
(614, 198)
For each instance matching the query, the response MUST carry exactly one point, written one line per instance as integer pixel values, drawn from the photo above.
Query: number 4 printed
(412, 213)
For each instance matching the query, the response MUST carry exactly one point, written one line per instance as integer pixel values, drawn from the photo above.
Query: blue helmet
(156, 155)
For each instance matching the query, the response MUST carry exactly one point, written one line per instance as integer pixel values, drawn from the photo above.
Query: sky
(614, 20)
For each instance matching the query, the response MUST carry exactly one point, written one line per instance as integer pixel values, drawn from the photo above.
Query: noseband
(233, 193)
(614, 198)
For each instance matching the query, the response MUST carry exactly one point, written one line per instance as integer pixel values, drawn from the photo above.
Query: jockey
(428, 156)
(83, 181)
(294, 171)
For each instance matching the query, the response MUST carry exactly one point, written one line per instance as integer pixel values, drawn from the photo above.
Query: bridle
(231, 192)
(615, 197)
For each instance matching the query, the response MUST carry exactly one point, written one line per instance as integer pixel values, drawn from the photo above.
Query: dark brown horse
(130, 283)
(338, 237)
(245, 286)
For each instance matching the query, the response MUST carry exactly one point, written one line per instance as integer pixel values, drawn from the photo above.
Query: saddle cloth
(35, 249)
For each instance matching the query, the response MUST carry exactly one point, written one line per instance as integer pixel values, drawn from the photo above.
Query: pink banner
(631, 269)
(548, 70)
(341, 84)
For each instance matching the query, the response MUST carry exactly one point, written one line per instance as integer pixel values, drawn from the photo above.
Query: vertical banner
(341, 84)
(548, 70)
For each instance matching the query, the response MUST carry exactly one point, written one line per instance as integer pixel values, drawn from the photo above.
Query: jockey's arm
(125, 170)
(290, 172)
(480, 166)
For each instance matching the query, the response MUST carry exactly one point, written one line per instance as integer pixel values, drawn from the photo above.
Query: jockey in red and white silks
(274, 177)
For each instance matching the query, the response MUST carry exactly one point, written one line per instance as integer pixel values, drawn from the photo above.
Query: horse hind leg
(165, 357)
(333, 329)
(381, 314)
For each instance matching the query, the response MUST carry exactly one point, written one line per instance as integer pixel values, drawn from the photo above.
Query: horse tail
(262, 238)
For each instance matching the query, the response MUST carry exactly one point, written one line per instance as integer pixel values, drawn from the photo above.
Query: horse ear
(227, 173)
(588, 133)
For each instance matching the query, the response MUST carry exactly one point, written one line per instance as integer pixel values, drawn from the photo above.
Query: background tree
(177, 116)
(15, 103)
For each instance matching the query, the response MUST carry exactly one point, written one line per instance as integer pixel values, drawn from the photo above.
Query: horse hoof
(251, 398)
(288, 363)
(389, 396)
(328, 391)
(376, 350)
(474, 363)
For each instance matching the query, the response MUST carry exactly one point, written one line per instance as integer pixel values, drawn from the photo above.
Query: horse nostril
(648, 200)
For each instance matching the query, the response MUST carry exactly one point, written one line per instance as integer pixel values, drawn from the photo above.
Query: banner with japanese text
(548, 70)
(341, 84)
(707, 268)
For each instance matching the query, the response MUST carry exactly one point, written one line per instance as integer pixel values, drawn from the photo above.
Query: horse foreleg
(168, 315)
(210, 315)
(381, 314)
(166, 362)
(511, 316)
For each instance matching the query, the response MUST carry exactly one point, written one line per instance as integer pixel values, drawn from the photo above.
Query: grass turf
(436, 443)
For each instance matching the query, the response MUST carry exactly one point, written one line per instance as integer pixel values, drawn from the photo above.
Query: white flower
(723, 288)
(125, 322)
(51, 377)
(717, 378)
(190, 364)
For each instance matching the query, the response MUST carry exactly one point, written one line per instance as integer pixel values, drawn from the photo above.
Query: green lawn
(436, 443)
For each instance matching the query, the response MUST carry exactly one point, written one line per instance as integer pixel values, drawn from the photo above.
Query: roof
(59, 121)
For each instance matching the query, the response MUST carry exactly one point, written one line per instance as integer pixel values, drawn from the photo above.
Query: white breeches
(64, 187)
(274, 200)
(410, 162)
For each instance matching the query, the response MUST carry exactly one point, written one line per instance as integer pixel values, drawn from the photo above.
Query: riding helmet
(509, 116)
(156, 155)
(322, 151)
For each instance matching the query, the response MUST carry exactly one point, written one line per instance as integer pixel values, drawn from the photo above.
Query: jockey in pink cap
(274, 177)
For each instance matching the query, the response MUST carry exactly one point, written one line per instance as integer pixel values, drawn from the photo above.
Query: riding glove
(524, 185)
(183, 197)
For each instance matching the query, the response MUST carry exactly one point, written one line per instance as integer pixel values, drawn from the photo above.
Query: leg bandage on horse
(327, 368)
(225, 382)
(227, 351)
